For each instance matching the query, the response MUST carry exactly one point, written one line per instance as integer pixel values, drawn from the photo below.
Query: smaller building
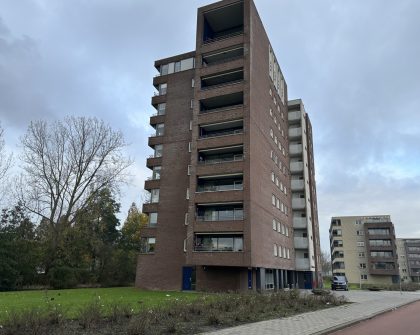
(363, 248)
(409, 259)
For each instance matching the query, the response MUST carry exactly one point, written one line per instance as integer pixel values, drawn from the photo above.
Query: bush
(61, 277)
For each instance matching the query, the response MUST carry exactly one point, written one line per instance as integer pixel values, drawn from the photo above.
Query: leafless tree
(66, 163)
(5, 161)
(326, 263)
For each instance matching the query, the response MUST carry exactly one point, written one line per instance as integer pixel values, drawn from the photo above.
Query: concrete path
(365, 305)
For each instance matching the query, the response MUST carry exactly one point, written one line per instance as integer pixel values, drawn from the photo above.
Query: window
(271, 112)
(191, 123)
(163, 88)
(154, 195)
(273, 199)
(271, 133)
(278, 203)
(177, 66)
(187, 196)
(160, 129)
(279, 227)
(284, 252)
(287, 231)
(156, 172)
(189, 170)
(363, 277)
(338, 243)
(153, 219)
(361, 254)
(192, 103)
(362, 265)
(360, 244)
(283, 229)
(189, 146)
(277, 181)
(161, 108)
(186, 219)
(164, 69)
(269, 279)
(211, 243)
(360, 232)
(380, 243)
(275, 250)
(378, 231)
(192, 82)
(272, 177)
(274, 224)
(147, 245)
(288, 253)
(305, 255)
(158, 150)
(185, 245)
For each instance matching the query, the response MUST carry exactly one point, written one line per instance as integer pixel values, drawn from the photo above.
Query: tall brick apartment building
(222, 208)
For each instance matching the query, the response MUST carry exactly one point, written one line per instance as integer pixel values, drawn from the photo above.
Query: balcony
(295, 149)
(303, 264)
(296, 167)
(153, 161)
(300, 222)
(218, 243)
(222, 103)
(221, 129)
(223, 56)
(223, 23)
(222, 79)
(215, 213)
(301, 242)
(297, 184)
(298, 203)
(295, 132)
(294, 116)
(220, 183)
(220, 155)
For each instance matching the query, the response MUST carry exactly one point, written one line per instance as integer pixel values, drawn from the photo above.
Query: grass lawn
(72, 300)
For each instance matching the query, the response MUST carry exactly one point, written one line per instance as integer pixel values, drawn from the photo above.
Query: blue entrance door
(187, 272)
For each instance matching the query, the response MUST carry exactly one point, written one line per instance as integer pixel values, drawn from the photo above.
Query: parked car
(339, 282)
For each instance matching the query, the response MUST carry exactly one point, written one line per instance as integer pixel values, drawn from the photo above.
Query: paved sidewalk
(365, 305)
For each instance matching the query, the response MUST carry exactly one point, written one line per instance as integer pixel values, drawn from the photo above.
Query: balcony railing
(301, 242)
(294, 116)
(217, 188)
(298, 203)
(295, 149)
(302, 264)
(299, 222)
(222, 133)
(296, 166)
(218, 160)
(236, 215)
(220, 109)
(223, 37)
(297, 184)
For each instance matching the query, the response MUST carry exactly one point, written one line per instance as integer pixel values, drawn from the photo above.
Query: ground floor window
(269, 279)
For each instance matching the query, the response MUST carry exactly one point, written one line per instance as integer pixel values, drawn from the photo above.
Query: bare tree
(326, 263)
(65, 164)
(5, 161)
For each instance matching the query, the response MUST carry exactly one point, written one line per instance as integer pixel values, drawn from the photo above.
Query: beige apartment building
(363, 248)
(409, 259)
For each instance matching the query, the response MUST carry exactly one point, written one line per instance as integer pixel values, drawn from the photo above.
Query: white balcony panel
(301, 243)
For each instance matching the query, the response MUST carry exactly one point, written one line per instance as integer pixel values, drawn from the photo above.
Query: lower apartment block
(232, 202)
(363, 248)
(409, 259)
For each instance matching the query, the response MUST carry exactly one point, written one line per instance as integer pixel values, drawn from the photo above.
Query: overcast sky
(355, 64)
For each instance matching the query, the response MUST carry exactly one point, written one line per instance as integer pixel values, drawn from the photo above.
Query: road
(402, 321)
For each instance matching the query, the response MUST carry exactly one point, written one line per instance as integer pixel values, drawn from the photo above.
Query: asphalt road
(402, 321)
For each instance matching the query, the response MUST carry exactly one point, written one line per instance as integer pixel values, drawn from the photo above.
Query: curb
(361, 319)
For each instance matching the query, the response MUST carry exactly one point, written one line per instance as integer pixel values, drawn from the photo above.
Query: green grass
(72, 300)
